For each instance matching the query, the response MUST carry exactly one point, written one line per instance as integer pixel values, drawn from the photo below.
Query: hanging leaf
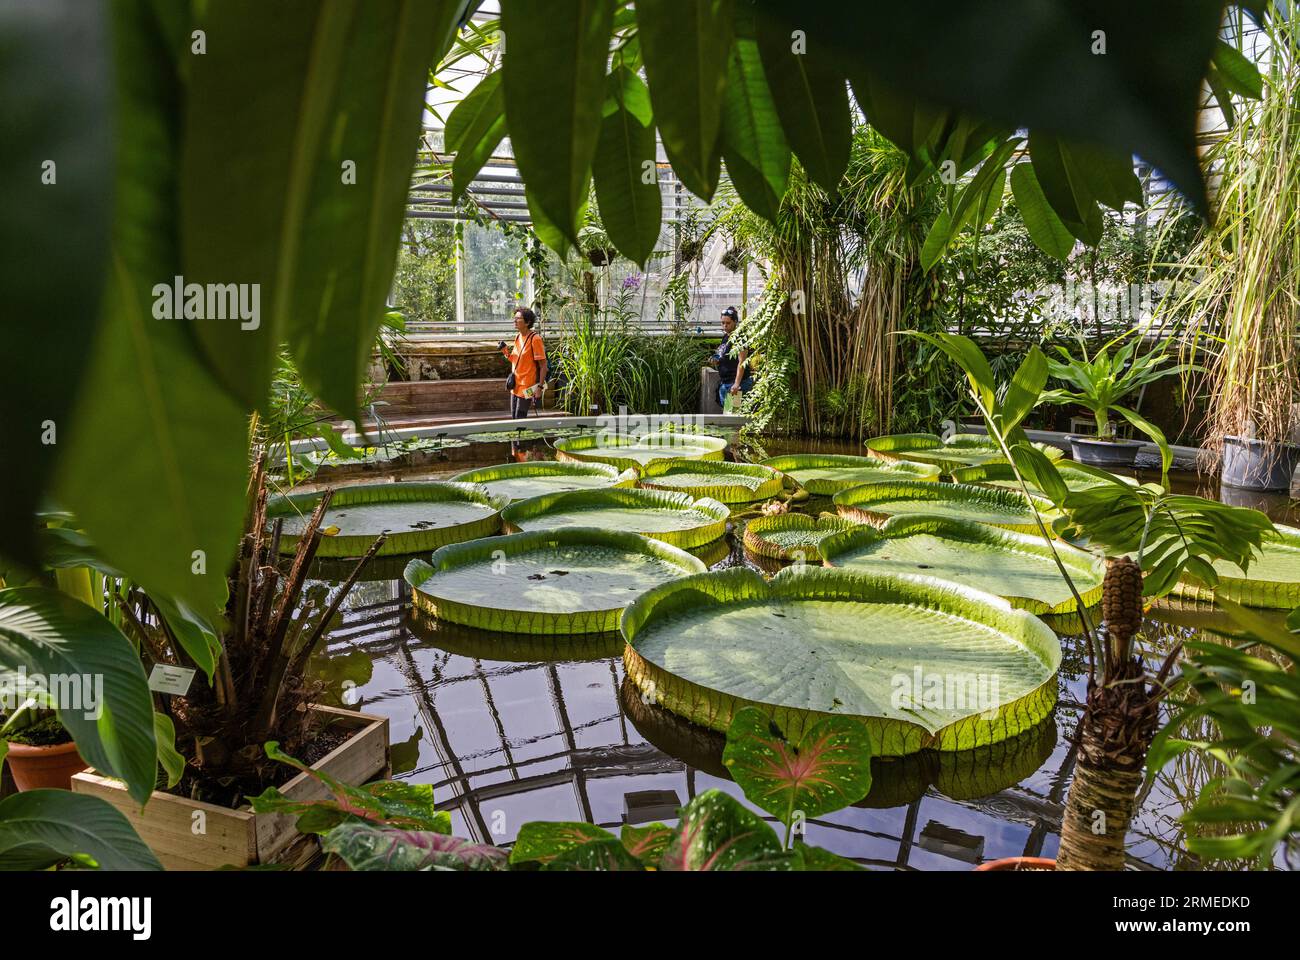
(554, 87)
(758, 158)
(40, 829)
(1110, 176)
(1067, 186)
(626, 177)
(686, 45)
(810, 98)
(480, 125)
(1044, 226)
(172, 762)
(1237, 73)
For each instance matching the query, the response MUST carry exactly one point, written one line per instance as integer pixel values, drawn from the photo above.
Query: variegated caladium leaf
(717, 833)
(365, 847)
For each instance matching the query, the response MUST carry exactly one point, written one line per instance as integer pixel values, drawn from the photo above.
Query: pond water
(512, 728)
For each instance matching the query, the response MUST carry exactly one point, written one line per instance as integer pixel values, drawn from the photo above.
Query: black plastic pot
(1104, 453)
(1258, 464)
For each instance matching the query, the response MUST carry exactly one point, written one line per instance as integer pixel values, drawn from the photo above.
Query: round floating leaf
(1273, 579)
(792, 536)
(875, 503)
(519, 481)
(1015, 566)
(674, 518)
(921, 663)
(575, 580)
(417, 516)
(719, 479)
(624, 451)
(963, 450)
(826, 474)
(1077, 476)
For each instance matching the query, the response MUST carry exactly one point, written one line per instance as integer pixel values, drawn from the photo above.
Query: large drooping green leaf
(1016, 566)
(824, 474)
(1272, 579)
(40, 829)
(1066, 186)
(632, 452)
(757, 155)
(532, 478)
(716, 833)
(674, 518)
(414, 515)
(921, 663)
(474, 129)
(624, 170)
(55, 112)
(1022, 391)
(877, 502)
(367, 848)
(825, 770)
(170, 512)
(686, 46)
(719, 479)
(554, 86)
(1045, 228)
(811, 100)
(561, 582)
(93, 674)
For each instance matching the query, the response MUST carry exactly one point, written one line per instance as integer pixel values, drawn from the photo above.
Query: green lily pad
(920, 662)
(519, 481)
(874, 503)
(719, 479)
(1015, 566)
(792, 536)
(624, 451)
(825, 474)
(1077, 476)
(1273, 579)
(674, 518)
(962, 450)
(417, 516)
(548, 582)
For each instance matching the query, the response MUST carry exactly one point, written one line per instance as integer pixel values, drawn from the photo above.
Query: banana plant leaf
(417, 516)
(674, 518)
(570, 581)
(921, 663)
(42, 828)
(1273, 579)
(723, 481)
(519, 481)
(962, 450)
(875, 503)
(826, 474)
(624, 451)
(793, 536)
(1019, 567)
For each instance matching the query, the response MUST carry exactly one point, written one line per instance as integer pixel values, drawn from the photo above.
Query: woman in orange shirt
(527, 356)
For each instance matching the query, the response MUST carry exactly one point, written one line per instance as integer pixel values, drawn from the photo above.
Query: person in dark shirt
(732, 361)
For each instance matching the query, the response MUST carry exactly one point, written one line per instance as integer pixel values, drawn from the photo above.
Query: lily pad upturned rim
(906, 469)
(890, 736)
(1247, 590)
(970, 531)
(755, 541)
(850, 503)
(603, 448)
(521, 511)
(769, 481)
(897, 446)
(411, 491)
(419, 573)
(547, 468)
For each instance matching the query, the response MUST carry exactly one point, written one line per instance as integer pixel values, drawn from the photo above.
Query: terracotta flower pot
(1018, 863)
(37, 767)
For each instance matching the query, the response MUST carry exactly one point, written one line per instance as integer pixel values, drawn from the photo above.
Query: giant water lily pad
(875, 503)
(719, 479)
(1077, 476)
(1018, 567)
(792, 536)
(623, 451)
(674, 518)
(921, 663)
(550, 582)
(962, 450)
(826, 474)
(1273, 579)
(417, 516)
(519, 481)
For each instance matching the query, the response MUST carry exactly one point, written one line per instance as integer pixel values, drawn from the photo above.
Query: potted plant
(40, 751)
(1100, 383)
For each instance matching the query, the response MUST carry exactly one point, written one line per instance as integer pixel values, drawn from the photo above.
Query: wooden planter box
(240, 837)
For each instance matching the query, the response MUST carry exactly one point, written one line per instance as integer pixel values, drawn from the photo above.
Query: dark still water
(512, 728)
